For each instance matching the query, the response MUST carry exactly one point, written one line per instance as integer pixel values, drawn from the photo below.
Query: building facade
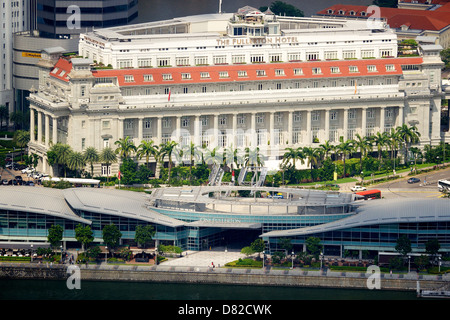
(14, 18)
(239, 80)
(60, 19)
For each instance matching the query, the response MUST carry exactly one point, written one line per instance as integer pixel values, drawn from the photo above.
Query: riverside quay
(200, 218)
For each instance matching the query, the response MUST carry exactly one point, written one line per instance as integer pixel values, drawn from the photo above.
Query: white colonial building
(248, 79)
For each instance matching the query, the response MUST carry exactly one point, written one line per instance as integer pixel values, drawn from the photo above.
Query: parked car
(358, 188)
(413, 180)
(29, 183)
(4, 182)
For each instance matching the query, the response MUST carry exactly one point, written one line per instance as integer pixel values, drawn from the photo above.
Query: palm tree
(380, 140)
(233, 156)
(62, 153)
(147, 149)
(326, 147)
(91, 156)
(361, 144)
(292, 154)
(416, 154)
(194, 154)
(125, 147)
(166, 149)
(312, 154)
(21, 139)
(108, 156)
(408, 135)
(253, 157)
(211, 157)
(345, 148)
(76, 161)
(394, 139)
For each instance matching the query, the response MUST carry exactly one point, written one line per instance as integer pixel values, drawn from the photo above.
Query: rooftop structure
(408, 23)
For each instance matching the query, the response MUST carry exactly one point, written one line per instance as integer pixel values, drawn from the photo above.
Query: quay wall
(291, 278)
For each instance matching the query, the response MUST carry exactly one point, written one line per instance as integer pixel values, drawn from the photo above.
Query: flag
(119, 175)
(232, 176)
(169, 95)
(356, 86)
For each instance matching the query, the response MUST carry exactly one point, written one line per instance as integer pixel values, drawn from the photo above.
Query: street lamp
(106, 255)
(409, 263)
(31, 254)
(321, 260)
(292, 255)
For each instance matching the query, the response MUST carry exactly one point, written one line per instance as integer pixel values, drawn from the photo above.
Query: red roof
(234, 72)
(62, 70)
(414, 19)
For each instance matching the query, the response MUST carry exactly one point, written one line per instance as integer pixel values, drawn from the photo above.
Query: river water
(153, 10)
(110, 290)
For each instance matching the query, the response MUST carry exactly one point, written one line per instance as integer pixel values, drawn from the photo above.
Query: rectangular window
(223, 74)
(167, 76)
(371, 68)
(144, 63)
(349, 54)
(298, 71)
(279, 72)
(148, 77)
(242, 74)
(316, 71)
(238, 58)
(182, 61)
(186, 76)
(220, 59)
(203, 60)
(163, 62)
(204, 75)
(353, 69)
(261, 73)
(129, 78)
(334, 70)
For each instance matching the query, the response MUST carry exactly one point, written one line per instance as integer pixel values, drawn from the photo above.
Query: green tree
(17, 118)
(91, 156)
(147, 149)
(76, 161)
(84, 235)
(144, 235)
(408, 135)
(258, 245)
(125, 147)
(361, 144)
(445, 56)
(55, 235)
(108, 157)
(111, 236)
(167, 149)
(284, 9)
(313, 246)
(380, 140)
(293, 154)
(4, 115)
(59, 155)
(21, 139)
(432, 247)
(345, 148)
(403, 246)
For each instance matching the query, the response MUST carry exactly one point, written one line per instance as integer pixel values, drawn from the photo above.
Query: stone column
(39, 116)
(363, 122)
(197, 131)
(308, 127)
(400, 116)
(345, 124)
(382, 117)
(140, 130)
(32, 133)
(272, 128)
(120, 128)
(47, 130)
(215, 131)
(253, 130)
(289, 128)
(327, 125)
(159, 130)
(55, 130)
(178, 129)
(234, 130)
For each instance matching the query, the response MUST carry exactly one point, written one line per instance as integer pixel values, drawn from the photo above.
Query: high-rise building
(14, 18)
(58, 19)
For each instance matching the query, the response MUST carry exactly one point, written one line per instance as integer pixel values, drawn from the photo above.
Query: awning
(224, 224)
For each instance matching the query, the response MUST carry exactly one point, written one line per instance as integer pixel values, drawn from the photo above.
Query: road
(401, 188)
